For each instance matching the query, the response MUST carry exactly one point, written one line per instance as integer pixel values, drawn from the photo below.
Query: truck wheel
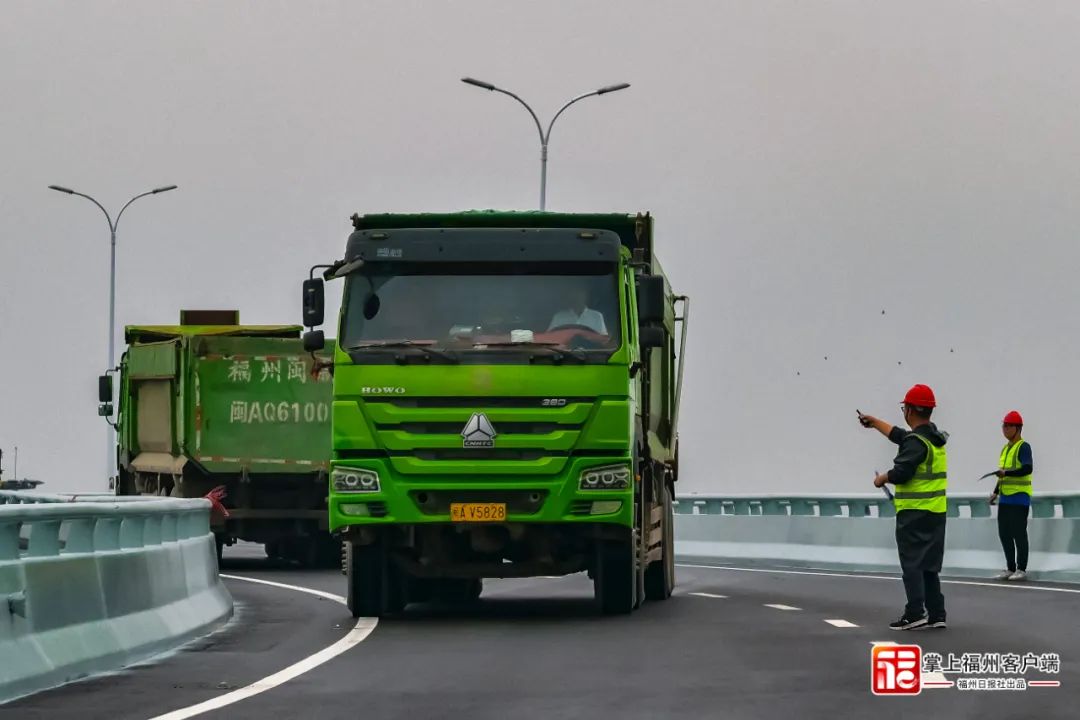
(374, 586)
(615, 579)
(329, 550)
(475, 589)
(309, 552)
(273, 550)
(660, 575)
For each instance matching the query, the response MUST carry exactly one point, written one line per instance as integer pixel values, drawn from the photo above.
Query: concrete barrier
(857, 532)
(89, 584)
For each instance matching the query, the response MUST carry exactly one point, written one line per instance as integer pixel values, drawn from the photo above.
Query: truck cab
(505, 404)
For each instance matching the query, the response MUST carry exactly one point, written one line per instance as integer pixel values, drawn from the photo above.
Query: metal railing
(92, 583)
(39, 525)
(976, 505)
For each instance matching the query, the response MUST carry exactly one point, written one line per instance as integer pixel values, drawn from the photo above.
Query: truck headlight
(346, 479)
(611, 477)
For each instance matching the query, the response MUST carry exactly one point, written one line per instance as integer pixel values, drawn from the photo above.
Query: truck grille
(474, 455)
(424, 435)
(474, 402)
(505, 428)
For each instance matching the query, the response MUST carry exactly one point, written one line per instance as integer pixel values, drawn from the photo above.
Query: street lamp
(112, 287)
(544, 136)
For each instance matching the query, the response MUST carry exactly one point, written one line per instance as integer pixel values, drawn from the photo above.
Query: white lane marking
(841, 623)
(296, 588)
(358, 634)
(777, 606)
(708, 595)
(1015, 586)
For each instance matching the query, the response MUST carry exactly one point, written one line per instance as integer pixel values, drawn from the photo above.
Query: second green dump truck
(505, 404)
(211, 403)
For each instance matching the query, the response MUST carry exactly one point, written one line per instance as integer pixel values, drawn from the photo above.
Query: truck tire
(329, 550)
(273, 550)
(374, 586)
(660, 574)
(615, 580)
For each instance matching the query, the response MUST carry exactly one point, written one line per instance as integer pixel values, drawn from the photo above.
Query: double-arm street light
(112, 282)
(544, 136)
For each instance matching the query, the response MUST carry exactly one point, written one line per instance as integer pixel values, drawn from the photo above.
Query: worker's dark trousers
(920, 540)
(923, 589)
(1012, 529)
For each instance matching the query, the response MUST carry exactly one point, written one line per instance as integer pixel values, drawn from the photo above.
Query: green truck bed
(240, 406)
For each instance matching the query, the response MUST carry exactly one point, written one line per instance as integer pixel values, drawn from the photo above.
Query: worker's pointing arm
(869, 421)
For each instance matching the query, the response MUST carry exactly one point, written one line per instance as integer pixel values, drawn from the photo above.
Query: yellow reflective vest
(926, 489)
(1010, 460)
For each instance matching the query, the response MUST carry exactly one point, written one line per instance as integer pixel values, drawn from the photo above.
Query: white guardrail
(91, 583)
(855, 532)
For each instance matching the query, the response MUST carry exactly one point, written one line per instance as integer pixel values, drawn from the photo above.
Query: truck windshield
(478, 308)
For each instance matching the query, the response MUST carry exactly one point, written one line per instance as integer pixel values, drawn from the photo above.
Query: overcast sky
(810, 164)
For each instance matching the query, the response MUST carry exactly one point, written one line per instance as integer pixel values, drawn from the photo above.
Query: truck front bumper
(407, 500)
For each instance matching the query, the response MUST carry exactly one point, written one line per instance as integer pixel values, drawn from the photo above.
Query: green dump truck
(506, 400)
(204, 404)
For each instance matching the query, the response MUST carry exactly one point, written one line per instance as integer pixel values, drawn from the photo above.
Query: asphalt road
(733, 643)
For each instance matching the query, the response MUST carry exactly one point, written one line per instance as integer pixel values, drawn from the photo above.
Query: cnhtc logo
(478, 432)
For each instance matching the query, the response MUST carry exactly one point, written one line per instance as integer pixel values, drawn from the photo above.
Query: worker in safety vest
(1013, 495)
(920, 475)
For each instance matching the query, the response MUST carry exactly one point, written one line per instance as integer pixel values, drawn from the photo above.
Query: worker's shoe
(908, 623)
(1018, 576)
(935, 623)
(1004, 575)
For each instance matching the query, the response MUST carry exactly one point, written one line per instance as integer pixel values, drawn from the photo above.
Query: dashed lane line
(708, 595)
(842, 624)
(358, 634)
(778, 606)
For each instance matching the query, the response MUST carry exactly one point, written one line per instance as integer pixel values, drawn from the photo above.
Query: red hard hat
(1013, 418)
(920, 396)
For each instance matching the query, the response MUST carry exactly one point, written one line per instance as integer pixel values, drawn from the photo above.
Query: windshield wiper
(423, 347)
(560, 352)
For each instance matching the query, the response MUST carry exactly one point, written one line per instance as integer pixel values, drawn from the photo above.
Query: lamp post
(109, 438)
(544, 136)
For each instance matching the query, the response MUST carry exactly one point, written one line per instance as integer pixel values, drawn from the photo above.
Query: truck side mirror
(104, 388)
(314, 340)
(651, 299)
(314, 302)
(651, 336)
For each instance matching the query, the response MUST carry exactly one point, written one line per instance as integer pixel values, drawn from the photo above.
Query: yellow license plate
(478, 512)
